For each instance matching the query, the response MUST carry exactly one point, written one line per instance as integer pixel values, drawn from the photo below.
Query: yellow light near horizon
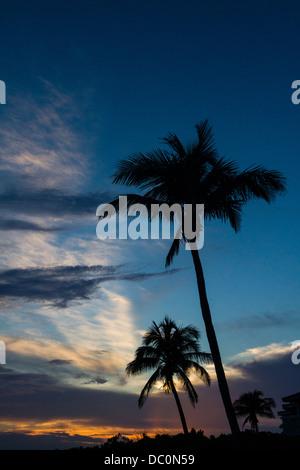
(84, 429)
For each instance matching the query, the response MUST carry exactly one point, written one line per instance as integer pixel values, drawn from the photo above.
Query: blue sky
(89, 83)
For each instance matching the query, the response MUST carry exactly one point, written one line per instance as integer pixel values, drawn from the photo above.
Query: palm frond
(146, 357)
(147, 388)
(137, 367)
(172, 140)
(266, 414)
(142, 170)
(174, 250)
(224, 210)
(143, 204)
(198, 357)
(258, 182)
(189, 333)
(206, 143)
(188, 386)
(246, 420)
(202, 372)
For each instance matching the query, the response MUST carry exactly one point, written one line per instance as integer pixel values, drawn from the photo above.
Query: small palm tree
(196, 174)
(251, 404)
(172, 351)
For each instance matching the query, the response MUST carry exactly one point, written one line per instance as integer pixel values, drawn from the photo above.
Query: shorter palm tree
(251, 404)
(172, 351)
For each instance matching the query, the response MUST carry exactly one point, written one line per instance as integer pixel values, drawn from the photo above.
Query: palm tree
(251, 404)
(172, 351)
(196, 174)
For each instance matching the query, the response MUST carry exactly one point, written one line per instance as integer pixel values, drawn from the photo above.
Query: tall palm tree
(196, 174)
(251, 404)
(173, 351)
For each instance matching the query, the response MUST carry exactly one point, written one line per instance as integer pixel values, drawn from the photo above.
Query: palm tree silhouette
(196, 174)
(173, 351)
(251, 404)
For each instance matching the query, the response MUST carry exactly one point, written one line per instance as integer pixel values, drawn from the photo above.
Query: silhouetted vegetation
(194, 444)
(173, 351)
(196, 174)
(251, 404)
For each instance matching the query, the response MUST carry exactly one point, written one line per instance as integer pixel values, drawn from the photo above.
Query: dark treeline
(193, 444)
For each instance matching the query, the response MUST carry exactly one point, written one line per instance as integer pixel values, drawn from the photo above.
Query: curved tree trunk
(182, 417)
(214, 348)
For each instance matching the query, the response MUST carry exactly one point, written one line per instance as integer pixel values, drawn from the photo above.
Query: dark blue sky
(89, 82)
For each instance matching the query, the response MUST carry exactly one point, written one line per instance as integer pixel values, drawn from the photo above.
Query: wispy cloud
(59, 362)
(262, 320)
(52, 202)
(91, 346)
(75, 364)
(61, 285)
(39, 147)
(43, 249)
(268, 352)
(7, 224)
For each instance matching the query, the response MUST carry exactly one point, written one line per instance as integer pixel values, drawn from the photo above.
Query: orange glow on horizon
(84, 429)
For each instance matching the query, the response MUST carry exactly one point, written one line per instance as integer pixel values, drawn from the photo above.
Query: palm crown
(173, 351)
(251, 404)
(196, 174)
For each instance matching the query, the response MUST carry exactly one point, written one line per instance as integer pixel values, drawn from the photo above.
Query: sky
(91, 82)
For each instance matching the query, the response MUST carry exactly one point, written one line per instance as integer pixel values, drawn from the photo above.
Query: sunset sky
(91, 82)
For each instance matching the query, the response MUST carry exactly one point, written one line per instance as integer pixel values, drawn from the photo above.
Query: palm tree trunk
(255, 423)
(213, 343)
(182, 417)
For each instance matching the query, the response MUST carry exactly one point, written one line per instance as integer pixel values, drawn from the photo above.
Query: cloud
(88, 411)
(16, 384)
(39, 145)
(268, 368)
(269, 352)
(87, 344)
(28, 249)
(262, 320)
(8, 224)
(49, 399)
(59, 362)
(58, 285)
(83, 366)
(53, 202)
(96, 380)
(47, 441)
(50, 406)
(61, 285)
